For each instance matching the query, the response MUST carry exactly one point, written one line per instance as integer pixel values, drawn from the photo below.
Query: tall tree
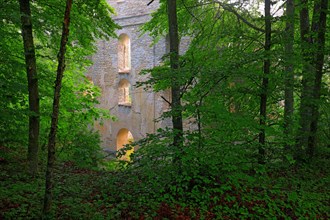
(312, 46)
(289, 73)
(264, 85)
(174, 61)
(307, 81)
(31, 69)
(56, 102)
(319, 27)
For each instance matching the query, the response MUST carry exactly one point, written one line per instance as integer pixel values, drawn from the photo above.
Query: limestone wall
(139, 113)
(137, 117)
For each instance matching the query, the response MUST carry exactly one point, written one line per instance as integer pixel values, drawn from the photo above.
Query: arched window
(124, 93)
(124, 54)
(124, 137)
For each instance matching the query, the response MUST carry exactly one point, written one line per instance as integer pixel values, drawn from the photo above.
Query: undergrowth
(130, 193)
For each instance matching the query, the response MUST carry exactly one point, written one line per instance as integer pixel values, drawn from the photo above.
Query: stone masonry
(134, 108)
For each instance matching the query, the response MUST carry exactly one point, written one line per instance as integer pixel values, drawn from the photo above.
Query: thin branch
(229, 8)
(185, 88)
(166, 100)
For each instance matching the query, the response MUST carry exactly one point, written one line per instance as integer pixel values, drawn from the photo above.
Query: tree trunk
(174, 60)
(305, 110)
(313, 45)
(56, 101)
(289, 74)
(31, 70)
(320, 12)
(264, 86)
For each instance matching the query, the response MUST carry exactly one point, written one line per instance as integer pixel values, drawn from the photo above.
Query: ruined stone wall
(138, 116)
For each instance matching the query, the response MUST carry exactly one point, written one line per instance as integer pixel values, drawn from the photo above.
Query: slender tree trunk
(264, 86)
(31, 70)
(174, 60)
(289, 74)
(56, 102)
(305, 110)
(320, 11)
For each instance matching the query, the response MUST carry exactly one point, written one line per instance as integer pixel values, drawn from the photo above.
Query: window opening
(124, 93)
(124, 54)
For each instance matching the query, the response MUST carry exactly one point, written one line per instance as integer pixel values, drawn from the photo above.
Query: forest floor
(82, 193)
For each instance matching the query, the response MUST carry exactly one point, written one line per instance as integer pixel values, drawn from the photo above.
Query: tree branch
(150, 2)
(166, 100)
(229, 8)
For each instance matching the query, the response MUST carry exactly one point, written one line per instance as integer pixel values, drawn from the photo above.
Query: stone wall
(138, 117)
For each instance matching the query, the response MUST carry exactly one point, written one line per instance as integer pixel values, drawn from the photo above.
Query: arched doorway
(124, 137)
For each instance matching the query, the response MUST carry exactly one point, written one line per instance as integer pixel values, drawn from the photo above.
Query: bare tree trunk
(289, 74)
(264, 86)
(320, 14)
(31, 70)
(53, 128)
(174, 60)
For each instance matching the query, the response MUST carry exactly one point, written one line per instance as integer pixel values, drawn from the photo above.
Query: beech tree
(264, 85)
(320, 26)
(174, 61)
(32, 79)
(313, 50)
(289, 73)
(53, 128)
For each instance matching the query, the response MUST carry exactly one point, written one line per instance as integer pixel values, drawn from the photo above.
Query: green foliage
(220, 77)
(214, 176)
(220, 183)
(203, 188)
(90, 21)
(83, 149)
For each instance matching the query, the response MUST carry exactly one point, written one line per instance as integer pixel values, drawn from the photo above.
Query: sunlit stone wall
(137, 110)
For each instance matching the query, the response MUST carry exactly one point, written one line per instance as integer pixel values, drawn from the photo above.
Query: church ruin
(116, 69)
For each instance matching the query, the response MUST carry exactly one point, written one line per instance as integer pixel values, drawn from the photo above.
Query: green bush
(84, 149)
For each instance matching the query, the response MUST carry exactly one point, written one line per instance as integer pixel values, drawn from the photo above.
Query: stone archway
(124, 136)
